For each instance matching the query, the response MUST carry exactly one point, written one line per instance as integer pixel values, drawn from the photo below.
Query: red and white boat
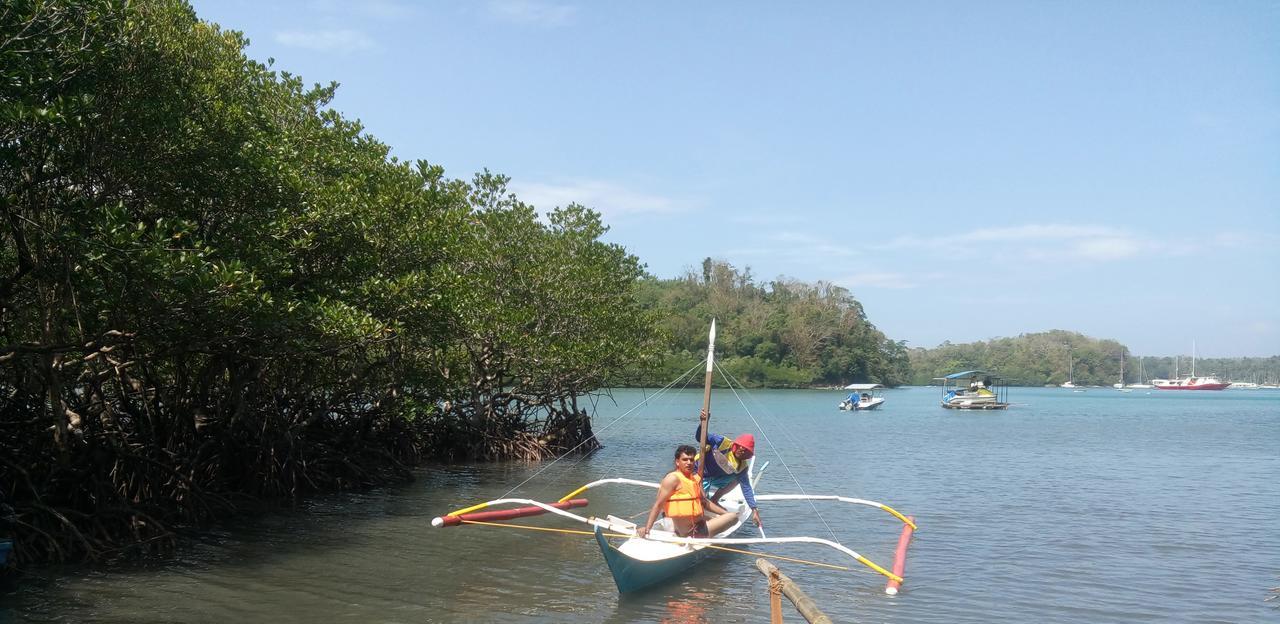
(1192, 382)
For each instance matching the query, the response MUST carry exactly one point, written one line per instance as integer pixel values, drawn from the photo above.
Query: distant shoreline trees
(1041, 358)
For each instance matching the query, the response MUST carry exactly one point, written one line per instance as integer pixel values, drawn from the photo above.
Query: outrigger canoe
(636, 562)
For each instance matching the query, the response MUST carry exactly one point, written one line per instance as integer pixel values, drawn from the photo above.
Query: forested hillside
(784, 333)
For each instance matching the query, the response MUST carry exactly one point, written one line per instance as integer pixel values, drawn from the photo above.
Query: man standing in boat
(728, 466)
(681, 498)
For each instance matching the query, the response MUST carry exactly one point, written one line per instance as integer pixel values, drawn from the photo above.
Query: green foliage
(213, 288)
(784, 334)
(1030, 359)
(547, 312)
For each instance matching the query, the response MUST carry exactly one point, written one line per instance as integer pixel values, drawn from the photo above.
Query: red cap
(746, 441)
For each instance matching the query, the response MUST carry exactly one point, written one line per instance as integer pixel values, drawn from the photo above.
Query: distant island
(791, 334)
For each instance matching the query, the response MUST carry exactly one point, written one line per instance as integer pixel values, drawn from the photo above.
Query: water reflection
(692, 610)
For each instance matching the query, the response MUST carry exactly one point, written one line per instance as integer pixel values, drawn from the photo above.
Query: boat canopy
(861, 387)
(968, 374)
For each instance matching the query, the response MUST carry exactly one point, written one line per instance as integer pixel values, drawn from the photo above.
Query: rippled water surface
(1090, 506)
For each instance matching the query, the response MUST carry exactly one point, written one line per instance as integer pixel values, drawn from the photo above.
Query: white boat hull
(870, 404)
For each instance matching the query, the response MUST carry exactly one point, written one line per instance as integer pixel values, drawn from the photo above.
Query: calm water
(1070, 507)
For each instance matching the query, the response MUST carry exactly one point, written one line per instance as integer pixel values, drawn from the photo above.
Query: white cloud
(609, 199)
(532, 12)
(800, 247)
(764, 219)
(385, 9)
(1261, 328)
(873, 279)
(379, 9)
(1015, 234)
(1048, 242)
(1103, 249)
(344, 40)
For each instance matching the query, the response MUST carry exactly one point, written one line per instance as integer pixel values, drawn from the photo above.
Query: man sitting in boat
(728, 466)
(680, 497)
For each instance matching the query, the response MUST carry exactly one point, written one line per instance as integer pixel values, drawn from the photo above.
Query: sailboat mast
(706, 397)
(1071, 369)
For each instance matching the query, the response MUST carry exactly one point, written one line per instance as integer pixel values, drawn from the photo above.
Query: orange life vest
(686, 501)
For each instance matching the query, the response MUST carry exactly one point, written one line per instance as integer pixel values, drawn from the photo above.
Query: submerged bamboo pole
(803, 603)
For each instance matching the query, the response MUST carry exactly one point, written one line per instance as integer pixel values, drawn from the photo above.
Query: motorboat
(862, 397)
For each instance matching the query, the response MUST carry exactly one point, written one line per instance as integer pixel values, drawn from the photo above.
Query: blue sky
(967, 170)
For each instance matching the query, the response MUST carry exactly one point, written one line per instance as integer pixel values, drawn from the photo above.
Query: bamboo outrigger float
(639, 562)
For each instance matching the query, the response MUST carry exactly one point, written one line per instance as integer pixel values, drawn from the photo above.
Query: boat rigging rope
(717, 547)
(687, 378)
(606, 428)
(730, 381)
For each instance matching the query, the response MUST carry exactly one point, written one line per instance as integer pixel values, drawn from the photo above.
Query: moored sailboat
(1142, 377)
(1070, 383)
(1120, 386)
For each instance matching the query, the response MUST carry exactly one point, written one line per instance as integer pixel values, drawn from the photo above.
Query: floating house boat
(974, 389)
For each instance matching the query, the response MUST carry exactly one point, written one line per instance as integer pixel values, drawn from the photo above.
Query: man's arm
(665, 489)
(744, 478)
(714, 440)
